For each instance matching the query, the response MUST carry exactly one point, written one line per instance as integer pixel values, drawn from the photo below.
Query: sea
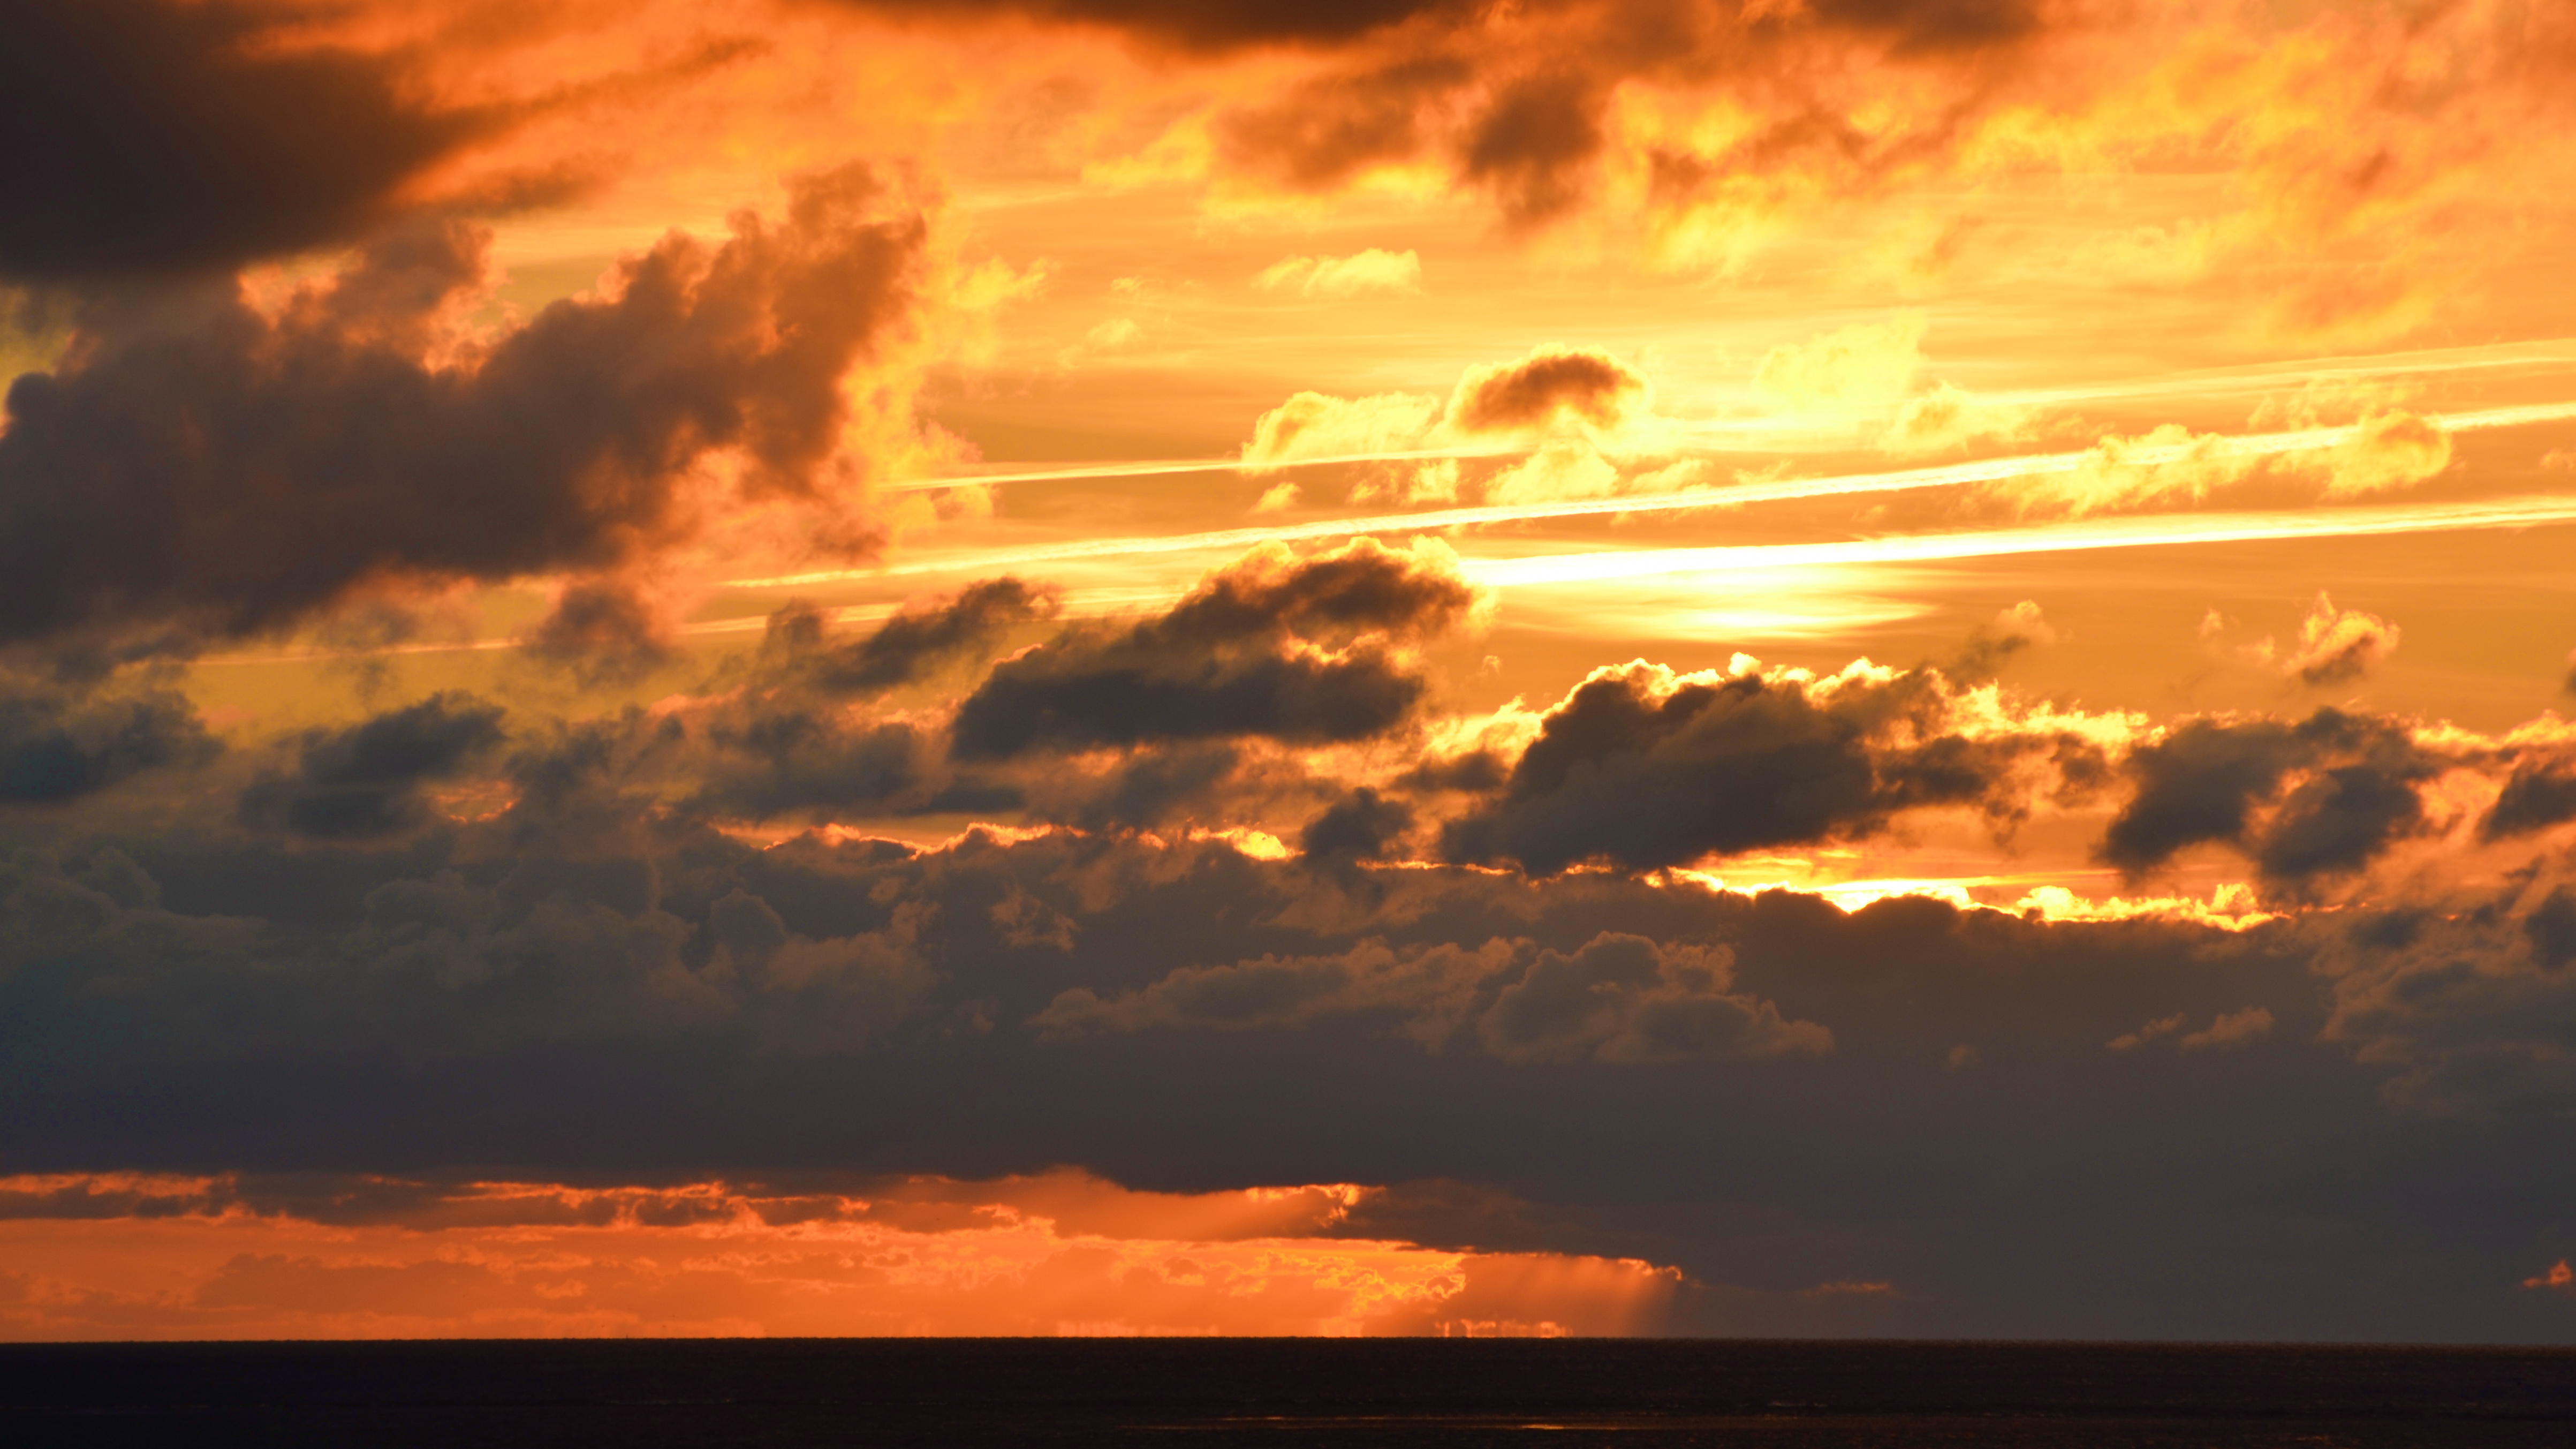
(1279, 1393)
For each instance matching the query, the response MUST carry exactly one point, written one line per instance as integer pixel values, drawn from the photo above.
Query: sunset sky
(1787, 667)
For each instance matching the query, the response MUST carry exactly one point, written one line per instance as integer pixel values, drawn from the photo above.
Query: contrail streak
(1947, 475)
(2152, 532)
(1749, 429)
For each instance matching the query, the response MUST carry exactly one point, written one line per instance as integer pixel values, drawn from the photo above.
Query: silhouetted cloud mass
(906, 648)
(148, 137)
(365, 781)
(59, 742)
(1300, 650)
(227, 472)
(2204, 781)
(1645, 769)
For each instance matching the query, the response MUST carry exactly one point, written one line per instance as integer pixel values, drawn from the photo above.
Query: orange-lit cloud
(1060, 1255)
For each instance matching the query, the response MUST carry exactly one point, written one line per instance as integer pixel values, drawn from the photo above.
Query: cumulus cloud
(1646, 768)
(1373, 270)
(62, 741)
(1552, 390)
(2337, 646)
(1363, 825)
(234, 470)
(1616, 998)
(1551, 383)
(923, 638)
(1862, 365)
(1297, 649)
(2212, 780)
(2538, 794)
(365, 781)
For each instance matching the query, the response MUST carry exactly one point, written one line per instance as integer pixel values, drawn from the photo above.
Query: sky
(1774, 667)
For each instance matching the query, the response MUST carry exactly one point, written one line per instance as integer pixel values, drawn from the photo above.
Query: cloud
(151, 137)
(1551, 383)
(1616, 998)
(2204, 781)
(2538, 794)
(1182, 23)
(1647, 769)
(365, 781)
(1363, 825)
(2458, 992)
(1290, 648)
(234, 471)
(2233, 1029)
(1865, 365)
(925, 637)
(600, 981)
(2228, 1029)
(2170, 466)
(607, 629)
(1495, 403)
(253, 1255)
(2337, 646)
(1373, 270)
(1317, 425)
(2163, 1026)
(60, 742)
(1947, 417)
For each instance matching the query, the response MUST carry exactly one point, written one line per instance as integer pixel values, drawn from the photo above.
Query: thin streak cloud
(2257, 445)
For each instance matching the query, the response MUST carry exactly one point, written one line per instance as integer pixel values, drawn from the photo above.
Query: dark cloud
(1929, 26)
(683, 1005)
(232, 472)
(365, 781)
(2465, 997)
(2551, 930)
(59, 742)
(1326, 132)
(1532, 149)
(1615, 998)
(2206, 779)
(1515, 101)
(1222, 25)
(1544, 386)
(2538, 794)
(788, 760)
(906, 648)
(1475, 771)
(152, 137)
(788, 743)
(1362, 825)
(606, 629)
(1298, 650)
(1645, 770)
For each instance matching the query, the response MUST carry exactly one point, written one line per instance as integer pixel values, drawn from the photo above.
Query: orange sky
(1799, 666)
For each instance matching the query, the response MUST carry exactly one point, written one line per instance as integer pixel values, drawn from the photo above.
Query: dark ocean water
(1284, 1393)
